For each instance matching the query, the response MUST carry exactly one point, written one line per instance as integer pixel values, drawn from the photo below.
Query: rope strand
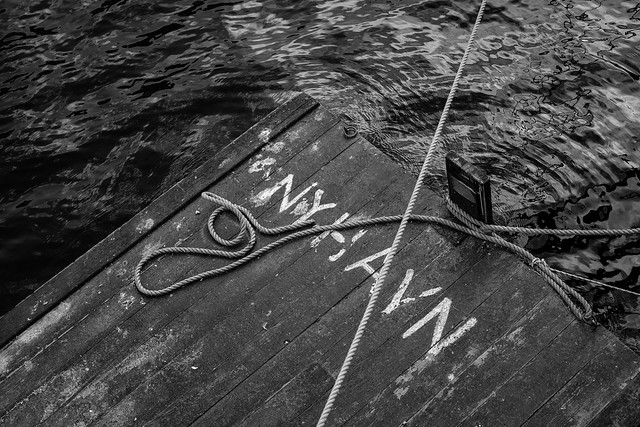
(595, 282)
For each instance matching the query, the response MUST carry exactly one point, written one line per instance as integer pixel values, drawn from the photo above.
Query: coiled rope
(247, 230)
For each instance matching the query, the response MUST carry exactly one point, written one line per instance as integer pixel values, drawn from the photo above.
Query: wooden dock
(464, 333)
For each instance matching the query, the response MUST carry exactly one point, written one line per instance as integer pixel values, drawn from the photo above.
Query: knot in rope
(248, 223)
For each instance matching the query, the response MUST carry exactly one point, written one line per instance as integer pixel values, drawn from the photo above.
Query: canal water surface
(106, 104)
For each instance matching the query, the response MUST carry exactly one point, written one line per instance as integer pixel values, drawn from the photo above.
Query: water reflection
(104, 107)
(106, 104)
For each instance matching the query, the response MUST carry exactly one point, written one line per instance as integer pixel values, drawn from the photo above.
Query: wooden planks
(101, 255)
(464, 333)
(623, 410)
(586, 395)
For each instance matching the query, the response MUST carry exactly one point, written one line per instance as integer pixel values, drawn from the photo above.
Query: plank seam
(308, 105)
(635, 377)
(115, 363)
(586, 363)
(315, 321)
(525, 364)
(131, 313)
(345, 334)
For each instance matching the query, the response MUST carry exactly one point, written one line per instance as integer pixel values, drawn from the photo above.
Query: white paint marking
(265, 195)
(442, 311)
(364, 263)
(430, 292)
(401, 391)
(145, 225)
(334, 258)
(358, 235)
(276, 147)
(126, 300)
(178, 224)
(338, 237)
(301, 208)
(262, 165)
(316, 241)
(455, 336)
(264, 135)
(421, 364)
(224, 163)
(151, 247)
(317, 206)
(42, 327)
(397, 297)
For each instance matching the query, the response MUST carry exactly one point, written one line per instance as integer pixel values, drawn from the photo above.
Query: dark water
(105, 104)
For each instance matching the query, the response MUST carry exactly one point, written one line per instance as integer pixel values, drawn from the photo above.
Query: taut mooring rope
(403, 224)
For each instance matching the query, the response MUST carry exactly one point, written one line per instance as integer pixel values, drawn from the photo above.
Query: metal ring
(350, 131)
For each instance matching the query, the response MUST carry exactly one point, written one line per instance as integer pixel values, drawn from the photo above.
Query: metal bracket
(469, 187)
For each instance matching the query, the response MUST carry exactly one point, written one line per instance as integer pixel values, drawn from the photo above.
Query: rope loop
(246, 219)
(245, 230)
(248, 226)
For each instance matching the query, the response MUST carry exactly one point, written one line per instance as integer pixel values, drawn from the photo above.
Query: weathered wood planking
(464, 333)
(623, 411)
(101, 255)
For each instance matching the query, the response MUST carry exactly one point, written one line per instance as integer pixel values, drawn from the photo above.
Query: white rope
(595, 282)
(335, 390)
